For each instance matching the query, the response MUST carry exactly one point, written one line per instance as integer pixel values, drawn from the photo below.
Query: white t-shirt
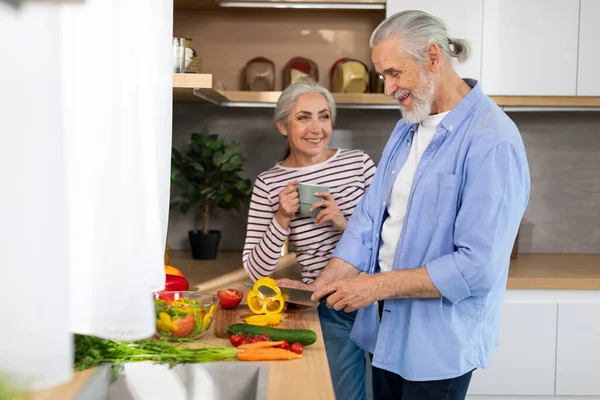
(398, 201)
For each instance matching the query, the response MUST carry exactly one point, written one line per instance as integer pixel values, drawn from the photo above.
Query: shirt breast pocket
(441, 197)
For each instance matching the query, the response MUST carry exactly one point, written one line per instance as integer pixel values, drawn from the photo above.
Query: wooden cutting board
(290, 319)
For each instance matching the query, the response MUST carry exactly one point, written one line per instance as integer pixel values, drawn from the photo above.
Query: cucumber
(305, 337)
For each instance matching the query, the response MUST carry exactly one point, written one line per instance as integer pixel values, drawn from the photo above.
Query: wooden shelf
(238, 98)
(195, 87)
(310, 4)
(192, 81)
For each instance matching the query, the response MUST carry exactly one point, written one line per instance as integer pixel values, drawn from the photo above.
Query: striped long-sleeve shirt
(348, 174)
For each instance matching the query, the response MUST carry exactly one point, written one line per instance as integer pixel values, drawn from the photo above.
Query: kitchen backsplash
(563, 148)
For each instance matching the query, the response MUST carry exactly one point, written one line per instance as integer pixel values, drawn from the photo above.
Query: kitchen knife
(291, 295)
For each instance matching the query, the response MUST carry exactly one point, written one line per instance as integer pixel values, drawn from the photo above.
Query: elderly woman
(304, 115)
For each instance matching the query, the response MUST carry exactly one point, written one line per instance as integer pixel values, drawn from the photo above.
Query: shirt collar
(459, 113)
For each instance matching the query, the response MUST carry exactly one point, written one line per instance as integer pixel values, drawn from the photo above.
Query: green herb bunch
(92, 351)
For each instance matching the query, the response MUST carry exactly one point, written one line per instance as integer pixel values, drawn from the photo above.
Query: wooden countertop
(555, 271)
(528, 271)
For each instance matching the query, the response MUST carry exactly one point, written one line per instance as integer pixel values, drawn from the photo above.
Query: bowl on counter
(184, 315)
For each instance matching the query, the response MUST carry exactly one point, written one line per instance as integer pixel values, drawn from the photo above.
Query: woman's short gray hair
(289, 96)
(418, 29)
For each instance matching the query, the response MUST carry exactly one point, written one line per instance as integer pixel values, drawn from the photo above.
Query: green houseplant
(207, 173)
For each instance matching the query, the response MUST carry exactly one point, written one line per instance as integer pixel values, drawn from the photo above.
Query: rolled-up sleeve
(494, 197)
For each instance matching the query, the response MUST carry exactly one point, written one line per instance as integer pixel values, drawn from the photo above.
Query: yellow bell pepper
(273, 319)
(207, 318)
(270, 282)
(261, 304)
(165, 324)
(260, 320)
(263, 320)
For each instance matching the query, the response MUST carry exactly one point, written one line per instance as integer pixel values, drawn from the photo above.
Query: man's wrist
(385, 289)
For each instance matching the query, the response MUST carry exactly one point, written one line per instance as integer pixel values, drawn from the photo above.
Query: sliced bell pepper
(263, 320)
(260, 320)
(164, 323)
(208, 316)
(266, 281)
(262, 304)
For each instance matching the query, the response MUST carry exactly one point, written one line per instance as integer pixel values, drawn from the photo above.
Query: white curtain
(85, 139)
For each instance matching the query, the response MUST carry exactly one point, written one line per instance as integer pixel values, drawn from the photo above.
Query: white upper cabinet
(588, 83)
(530, 47)
(462, 17)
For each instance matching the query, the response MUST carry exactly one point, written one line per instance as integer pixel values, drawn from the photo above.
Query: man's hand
(285, 282)
(288, 283)
(351, 293)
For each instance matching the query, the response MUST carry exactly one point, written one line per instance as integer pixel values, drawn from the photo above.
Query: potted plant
(208, 174)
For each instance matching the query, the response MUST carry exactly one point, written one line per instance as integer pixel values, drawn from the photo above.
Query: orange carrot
(259, 345)
(267, 354)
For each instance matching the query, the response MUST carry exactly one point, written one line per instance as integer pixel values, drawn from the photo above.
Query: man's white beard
(422, 99)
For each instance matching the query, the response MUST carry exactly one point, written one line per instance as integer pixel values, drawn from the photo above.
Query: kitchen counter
(544, 272)
(555, 271)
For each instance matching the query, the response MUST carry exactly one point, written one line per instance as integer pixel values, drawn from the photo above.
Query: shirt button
(451, 128)
(384, 203)
(394, 172)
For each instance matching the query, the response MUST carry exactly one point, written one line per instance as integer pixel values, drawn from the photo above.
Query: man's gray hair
(418, 29)
(289, 96)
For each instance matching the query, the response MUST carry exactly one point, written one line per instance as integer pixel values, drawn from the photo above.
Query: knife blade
(291, 295)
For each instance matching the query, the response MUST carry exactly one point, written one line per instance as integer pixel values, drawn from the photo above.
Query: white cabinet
(464, 20)
(524, 363)
(588, 83)
(578, 349)
(530, 47)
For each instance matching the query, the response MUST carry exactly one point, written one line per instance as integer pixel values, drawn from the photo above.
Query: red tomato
(244, 341)
(185, 325)
(285, 345)
(296, 348)
(230, 298)
(265, 336)
(257, 339)
(236, 340)
(167, 298)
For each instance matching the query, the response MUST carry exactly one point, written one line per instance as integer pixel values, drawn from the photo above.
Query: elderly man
(425, 255)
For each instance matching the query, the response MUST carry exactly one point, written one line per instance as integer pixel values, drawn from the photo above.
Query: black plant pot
(204, 246)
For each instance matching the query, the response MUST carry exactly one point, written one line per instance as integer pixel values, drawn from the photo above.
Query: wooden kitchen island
(306, 378)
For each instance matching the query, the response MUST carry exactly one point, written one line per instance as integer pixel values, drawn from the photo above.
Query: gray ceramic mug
(306, 196)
